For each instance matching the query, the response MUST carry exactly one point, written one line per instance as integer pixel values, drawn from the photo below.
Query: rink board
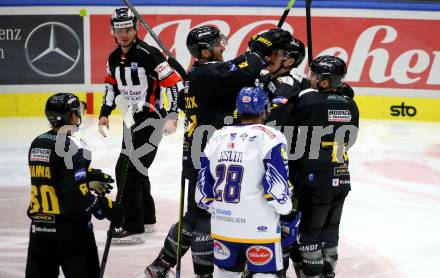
(371, 107)
(394, 77)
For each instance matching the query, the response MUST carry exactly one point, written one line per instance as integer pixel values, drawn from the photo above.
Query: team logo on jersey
(335, 182)
(311, 177)
(39, 154)
(233, 67)
(279, 100)
(231, 145)
(341, 171)
(259, 255)
(134, 66)
(339, 115)
(262, 228)
(221, 251)
(246, 99)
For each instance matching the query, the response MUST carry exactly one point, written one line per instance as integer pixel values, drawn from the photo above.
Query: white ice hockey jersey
(243, 183)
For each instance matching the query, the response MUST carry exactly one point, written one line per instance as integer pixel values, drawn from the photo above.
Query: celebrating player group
(265, 159)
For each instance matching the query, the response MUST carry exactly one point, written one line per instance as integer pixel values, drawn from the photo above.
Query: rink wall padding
(370, 107)
(393, 56)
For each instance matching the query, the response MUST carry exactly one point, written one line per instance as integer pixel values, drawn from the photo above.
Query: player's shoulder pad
(287, 79)
(269, 131)
(306, 92)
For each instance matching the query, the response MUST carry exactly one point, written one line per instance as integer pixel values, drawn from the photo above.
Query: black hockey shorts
(321, 203)
(78, 258)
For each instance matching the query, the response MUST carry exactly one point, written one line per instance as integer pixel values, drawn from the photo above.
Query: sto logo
(259, 255)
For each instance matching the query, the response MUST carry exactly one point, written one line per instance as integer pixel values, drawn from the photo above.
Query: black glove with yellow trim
(261, 44)
(111, 210)
(98, 175)
(98, 181)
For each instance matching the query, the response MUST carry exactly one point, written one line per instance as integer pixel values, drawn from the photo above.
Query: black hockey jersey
(325, 127)
(61, 203)
(211, 93)
(138, 76)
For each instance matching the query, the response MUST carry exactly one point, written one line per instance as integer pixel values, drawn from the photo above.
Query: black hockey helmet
(295, 49)
(60, 107)
(123, 18)
(329, 67)
(203, 37)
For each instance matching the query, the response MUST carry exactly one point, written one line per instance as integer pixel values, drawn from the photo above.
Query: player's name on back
(230, 156)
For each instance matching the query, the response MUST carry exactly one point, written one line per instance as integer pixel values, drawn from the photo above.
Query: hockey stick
(286, 12)
(171, 60)
(129, 121)
(179, 227)
(309, 31)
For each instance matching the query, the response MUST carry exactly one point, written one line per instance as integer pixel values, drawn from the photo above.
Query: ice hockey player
(327, 120)
(138, 71)
(243, 184)
(210, 97)
(61, 231)
(283, 81)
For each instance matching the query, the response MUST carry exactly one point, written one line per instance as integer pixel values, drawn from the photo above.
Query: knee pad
(330, 258)
(312, 260)
(170, 245)
(202, 252)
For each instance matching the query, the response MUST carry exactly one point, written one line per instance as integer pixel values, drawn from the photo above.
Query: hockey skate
(159, 269)
(121, 236)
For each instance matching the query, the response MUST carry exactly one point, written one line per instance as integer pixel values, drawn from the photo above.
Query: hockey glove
(98, 175)
(289, 227)
(110, 210)
(100, 188)
(261, 45)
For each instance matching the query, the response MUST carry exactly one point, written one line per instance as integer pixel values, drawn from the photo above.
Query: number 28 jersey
(243, 183)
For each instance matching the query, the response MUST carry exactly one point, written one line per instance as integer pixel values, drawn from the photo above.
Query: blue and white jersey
(243, 183)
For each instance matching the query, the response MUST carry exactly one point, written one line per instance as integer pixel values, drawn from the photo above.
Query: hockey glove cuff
(289, 227)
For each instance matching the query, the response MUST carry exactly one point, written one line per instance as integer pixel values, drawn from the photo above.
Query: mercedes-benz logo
(52, 49)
